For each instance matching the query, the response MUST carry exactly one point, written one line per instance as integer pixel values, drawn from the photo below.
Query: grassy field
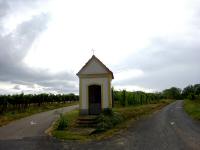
(130, 114)
(14, 115)
(192, 107)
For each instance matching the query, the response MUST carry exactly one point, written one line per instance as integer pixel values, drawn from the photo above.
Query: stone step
(87, 121)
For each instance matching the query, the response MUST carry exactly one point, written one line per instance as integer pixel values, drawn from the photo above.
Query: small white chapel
(95, 92)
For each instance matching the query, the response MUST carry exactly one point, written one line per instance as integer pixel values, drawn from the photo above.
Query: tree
(197, 89)
(172, 93)
(189, 92)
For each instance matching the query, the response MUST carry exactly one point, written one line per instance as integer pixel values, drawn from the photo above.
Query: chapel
(94, 87)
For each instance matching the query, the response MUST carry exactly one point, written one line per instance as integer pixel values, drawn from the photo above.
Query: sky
(149, 45)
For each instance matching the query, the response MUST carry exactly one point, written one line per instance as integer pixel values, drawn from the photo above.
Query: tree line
(21, 101)
(191, 92)
(126, 98)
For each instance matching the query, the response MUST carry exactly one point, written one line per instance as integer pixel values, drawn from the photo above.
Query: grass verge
(130, 114)
(192, 107)
(14, 115)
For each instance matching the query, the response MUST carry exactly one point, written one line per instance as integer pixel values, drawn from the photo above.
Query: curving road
(168, 129)
(32, 126)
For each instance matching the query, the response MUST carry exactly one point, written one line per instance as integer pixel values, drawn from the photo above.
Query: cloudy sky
(149, 45)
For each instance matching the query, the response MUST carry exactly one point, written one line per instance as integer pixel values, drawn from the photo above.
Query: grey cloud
(14, 47)
(167, 63)
(3, 8)
(17, 87)
(4, 91)
(12, 8)
(8, 7)
(164, 53)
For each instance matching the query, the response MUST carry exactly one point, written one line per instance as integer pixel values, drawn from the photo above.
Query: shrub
(107, 112)
(116, 118)
(108, 119)
(103, 123)
(62, 123)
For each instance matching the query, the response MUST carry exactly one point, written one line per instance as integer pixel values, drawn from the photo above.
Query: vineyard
(125, 98)
(21, 102)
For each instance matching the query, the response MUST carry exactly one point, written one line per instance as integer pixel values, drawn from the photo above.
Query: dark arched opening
(94, 99)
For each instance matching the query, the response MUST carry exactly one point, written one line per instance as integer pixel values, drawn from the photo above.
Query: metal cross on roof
(93, 51)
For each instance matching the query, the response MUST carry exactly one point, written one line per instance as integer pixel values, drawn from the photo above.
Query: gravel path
(168, 129)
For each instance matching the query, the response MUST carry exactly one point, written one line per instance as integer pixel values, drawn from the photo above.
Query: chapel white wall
(100, 81)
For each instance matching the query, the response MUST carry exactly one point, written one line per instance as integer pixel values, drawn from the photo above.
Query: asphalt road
(168, 129)
(32, 126)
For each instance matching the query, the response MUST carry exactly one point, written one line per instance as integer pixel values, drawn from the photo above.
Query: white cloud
(114, 28)
(128, 74)
(133, 88)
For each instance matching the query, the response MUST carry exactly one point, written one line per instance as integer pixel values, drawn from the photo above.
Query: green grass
(130, 114)
(192, 107)
(14, 115)
(68, 134)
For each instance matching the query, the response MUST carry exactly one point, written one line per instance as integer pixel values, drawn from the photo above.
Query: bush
(62, 123)
(107, 112)
(108, 119)
(197, 97)
(103, 123)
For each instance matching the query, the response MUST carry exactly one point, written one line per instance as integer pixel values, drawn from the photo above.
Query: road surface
(168, 129)
(32, 126)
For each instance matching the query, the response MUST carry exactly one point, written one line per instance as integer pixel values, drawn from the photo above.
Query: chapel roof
(99, 62)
